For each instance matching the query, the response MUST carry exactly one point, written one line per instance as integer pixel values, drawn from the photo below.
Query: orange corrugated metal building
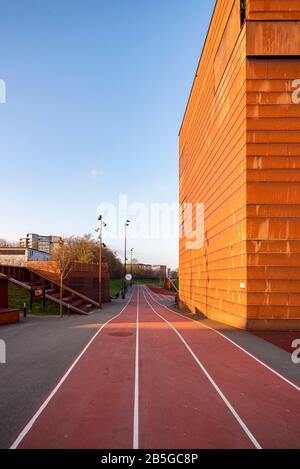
(240, 156)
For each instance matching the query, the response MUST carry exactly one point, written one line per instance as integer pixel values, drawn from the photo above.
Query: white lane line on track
(136, 381)
(229, 340)
(30, 424)
(211, 380)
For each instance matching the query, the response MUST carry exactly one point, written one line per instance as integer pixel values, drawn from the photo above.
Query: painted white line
(30, 424)
(136, 381)
(231, 341)
(211, 380)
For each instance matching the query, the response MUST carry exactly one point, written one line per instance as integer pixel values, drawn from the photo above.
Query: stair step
(68, 299)
(55, 295)
(76, 303)
(49, 291)
(86, 308)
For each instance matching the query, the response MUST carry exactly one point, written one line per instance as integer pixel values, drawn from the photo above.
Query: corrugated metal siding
(273, 9)
(273, 189)
(239, 150)
(273, 161)
(213, 172)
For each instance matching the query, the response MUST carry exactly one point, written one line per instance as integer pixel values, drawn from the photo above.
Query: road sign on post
(36, 294)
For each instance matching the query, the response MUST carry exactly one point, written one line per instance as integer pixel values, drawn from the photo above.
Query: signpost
(37, 294)
(128, 277)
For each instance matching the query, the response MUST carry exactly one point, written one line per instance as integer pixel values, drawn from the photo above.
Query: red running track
(151, 378)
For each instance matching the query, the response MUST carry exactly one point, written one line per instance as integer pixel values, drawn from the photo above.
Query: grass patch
(115, 286)
(17, 296)
(148, 281)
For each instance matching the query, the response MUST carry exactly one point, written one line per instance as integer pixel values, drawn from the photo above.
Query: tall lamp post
(102, 224)
(125, 260)
(131, 266)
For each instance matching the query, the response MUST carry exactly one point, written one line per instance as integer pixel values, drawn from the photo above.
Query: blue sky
(96, 92)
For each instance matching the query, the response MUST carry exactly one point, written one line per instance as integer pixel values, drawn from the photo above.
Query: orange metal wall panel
(240, 155)
(230, 36)
(213, 172)
(273, 38)
(273, 190)
(273, 9)
(201, 82)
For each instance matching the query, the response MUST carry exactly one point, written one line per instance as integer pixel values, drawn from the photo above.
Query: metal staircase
(73, 301)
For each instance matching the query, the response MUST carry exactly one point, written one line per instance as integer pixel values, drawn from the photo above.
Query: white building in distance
(20, 256)
(40, 242)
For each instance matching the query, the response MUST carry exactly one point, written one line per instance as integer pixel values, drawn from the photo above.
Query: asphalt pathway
(39, 351)
(152, 378)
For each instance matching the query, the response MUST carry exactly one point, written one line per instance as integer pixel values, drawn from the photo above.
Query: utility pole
(125, 260)
(131, 266)
(100, 230)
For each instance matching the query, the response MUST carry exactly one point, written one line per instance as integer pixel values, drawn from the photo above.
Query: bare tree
(86, 249)
(63, 255)
(4, 243)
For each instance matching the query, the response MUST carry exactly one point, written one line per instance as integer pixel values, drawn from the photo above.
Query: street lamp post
(100, 230)
(125, 260)
(131, 267)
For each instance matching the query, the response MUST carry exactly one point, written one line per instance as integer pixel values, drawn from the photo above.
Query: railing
(50, 298)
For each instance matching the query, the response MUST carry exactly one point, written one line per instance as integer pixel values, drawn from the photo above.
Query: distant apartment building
(240, 157)
(40, 242)
(20, 256)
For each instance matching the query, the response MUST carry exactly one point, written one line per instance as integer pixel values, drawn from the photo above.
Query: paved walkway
(151, 378)
(39, 351)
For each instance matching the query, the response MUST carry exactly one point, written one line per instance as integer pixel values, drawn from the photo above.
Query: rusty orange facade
(240, 156)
